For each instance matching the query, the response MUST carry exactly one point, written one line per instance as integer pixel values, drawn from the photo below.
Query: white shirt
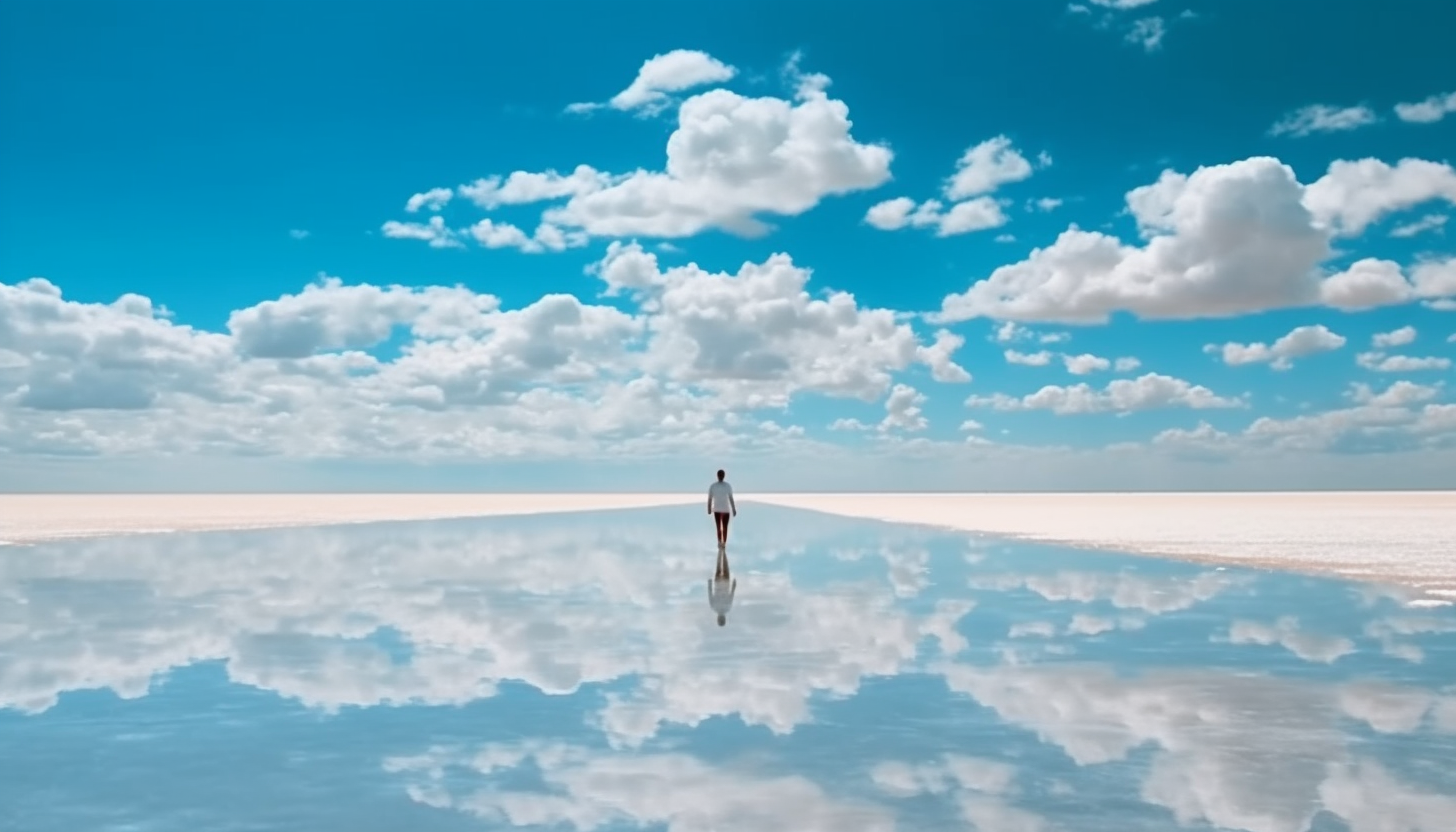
(720, 497)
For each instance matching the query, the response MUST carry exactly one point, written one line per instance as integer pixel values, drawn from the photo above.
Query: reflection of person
(722, 507)
(722, 588)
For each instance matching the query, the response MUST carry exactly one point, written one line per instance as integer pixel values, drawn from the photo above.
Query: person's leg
(720, 522)
(721, 573)
(726, 518)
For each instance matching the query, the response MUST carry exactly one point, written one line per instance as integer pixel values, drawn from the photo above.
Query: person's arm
(710, 501)
(733, 590)
(733, 504)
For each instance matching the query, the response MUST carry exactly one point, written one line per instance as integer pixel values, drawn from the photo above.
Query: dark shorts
(721, 516)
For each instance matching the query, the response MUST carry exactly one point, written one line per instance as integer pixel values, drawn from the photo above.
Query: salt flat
(1405, 538)
(32, 518)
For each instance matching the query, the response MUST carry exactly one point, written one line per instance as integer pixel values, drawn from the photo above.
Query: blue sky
(1180, 185)
(567, 671)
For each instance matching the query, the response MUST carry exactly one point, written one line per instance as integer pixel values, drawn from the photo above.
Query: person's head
(720, 475)
(722, 620)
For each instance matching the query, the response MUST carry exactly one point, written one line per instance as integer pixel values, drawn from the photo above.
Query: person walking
(722, 507)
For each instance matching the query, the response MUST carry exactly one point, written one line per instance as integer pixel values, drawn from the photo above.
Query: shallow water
(567, 672)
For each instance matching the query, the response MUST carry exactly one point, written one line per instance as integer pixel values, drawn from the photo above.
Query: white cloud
(433, 232)
(902, 410)
(1430, 110)
(1127, 364)
(1147, 32)
(1352, 195)
(1010, 331)
(329, 315)
(547, 237)
(1286, 632)
(660, 75)
(1322, 118)
(1196, 263)
(523, 187)
(731, 159)
(1121, 4)
(937, 357)
(980, 171)
(1366, 284)
(1032, 359)
(434, 199)
(1081, 365)
(1222, 241)
(977, 214)
(1039, 629)
(1048, 203)
(1300, 342)
(298, 233)
(1395, 338)
(1382, 363)
(985, 167)
(1147, 392)
(1430, 222)
(848, 424)
(757, 336)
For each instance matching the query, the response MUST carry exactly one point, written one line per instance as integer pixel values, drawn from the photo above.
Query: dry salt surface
(1406, 538)
(32, 518)
(1390, 537)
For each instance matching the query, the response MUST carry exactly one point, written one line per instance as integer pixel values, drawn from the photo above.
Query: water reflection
(560, 672)
(721, 588)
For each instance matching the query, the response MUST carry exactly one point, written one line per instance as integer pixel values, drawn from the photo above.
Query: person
(722, 507)
(721, 589)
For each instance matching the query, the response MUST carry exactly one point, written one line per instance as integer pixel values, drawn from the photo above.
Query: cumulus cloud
(1382, 363)
(937, 356)
(757, 335)
(434, 199)
(1085, 364)
(434, 232)
(1353, 195)
(978, 214)
(1222, 241)
(730, 160)
(466, 378)
(985, 167)
(1032, 359)
(1300, 342)
(1427, 111)
(1395, 338)
(980, 171)
(1322, 118)
(660, 76)
(902, 410)
(1147, 392)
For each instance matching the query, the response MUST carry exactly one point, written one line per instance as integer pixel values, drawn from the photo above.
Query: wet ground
(567, 672)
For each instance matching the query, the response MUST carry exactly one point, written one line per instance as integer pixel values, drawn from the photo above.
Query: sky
(1119, 244)
(567, 673)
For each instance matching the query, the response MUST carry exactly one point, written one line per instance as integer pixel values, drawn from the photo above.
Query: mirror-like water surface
(569, 672)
